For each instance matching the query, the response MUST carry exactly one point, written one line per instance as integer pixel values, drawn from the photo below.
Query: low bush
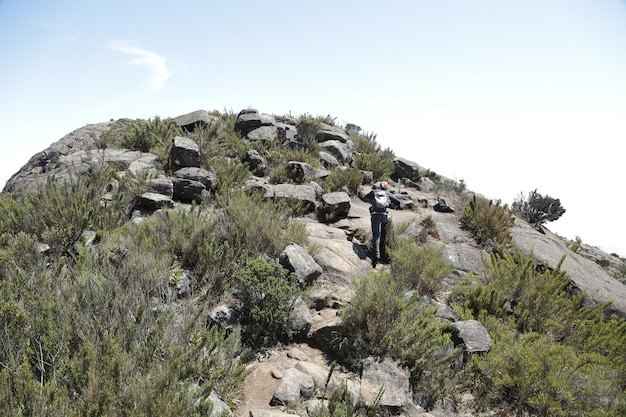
(59, 213)
(552, 355)
(488, 221)
(343, 179)
(538, 209)
(385, 319)
(266, 293)
(420, 268)
(370, 157)
(152, 135)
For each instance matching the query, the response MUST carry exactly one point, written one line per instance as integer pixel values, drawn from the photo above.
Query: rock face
(586, 275)
(336, 224)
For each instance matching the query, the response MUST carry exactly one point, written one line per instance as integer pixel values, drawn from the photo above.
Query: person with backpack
(380, 201)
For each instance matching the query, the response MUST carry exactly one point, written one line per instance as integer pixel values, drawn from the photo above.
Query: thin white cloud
(41, 24)
(155, 64)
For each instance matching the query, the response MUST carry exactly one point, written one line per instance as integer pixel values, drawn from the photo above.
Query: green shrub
(307, 127)
(59, 213)
(538, 209)
(370, 157)
(488, 221)
(266, 292)
(534, 374)
(552, 355)
(343, 179)
(154, 135)
(260, 226)
(383, 319)
(420, 268)
(377, 302)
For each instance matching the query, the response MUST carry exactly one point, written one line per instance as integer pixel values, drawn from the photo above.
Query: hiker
(380, 201)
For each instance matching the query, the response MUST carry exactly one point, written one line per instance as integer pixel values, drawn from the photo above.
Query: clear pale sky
(508, 96)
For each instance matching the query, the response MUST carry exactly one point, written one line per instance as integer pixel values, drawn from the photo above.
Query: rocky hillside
(296, 377)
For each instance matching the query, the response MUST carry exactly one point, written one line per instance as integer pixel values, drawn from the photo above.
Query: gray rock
(328, 132)
(293, 193)
(320, 298)
(286, 131)
(257, 412)
(472, 335)
(198, 119)
(262, 133)
(220, 408)
(294, 387)
(161, 185)
(206, 177)
(185, 152)
(300, 172)
(296, 258)
(154, 201)
(406, 169)
(389, 377)
(224, 315)
(328, 160)
(339, 258)
(300, 319)
(464, 256)
(334, 206)
(444, 311)
(326, 328)
(586, 275)
(319, 373)
(256, 162)
(250, 119)
(442, 206)
(186, 190)
(343, 151)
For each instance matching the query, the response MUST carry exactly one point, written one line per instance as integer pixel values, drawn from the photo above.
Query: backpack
(381, 201)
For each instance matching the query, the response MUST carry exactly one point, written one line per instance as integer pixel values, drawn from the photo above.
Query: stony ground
(341, 249)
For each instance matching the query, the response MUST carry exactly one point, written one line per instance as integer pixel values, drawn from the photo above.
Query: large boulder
(263, 134)
(334, 206)
(185, 152)
(296, 259)
(406, 169)
(328, 132)
(385, 382)
(343, 151)
(294, 387)
(187, 191)
(300, 319)
(258, 164)
(193, 121)
(250, 119)
(201, 175)
(303, 195)
(154, 201)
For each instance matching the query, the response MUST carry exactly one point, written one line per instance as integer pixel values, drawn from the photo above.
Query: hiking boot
(374, 262)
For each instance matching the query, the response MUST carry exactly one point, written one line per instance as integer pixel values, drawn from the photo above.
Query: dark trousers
(379, 234)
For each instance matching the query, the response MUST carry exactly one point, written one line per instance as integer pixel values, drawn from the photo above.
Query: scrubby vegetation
(551, 355)
(538, 209)
(488, 221)
(104, 329)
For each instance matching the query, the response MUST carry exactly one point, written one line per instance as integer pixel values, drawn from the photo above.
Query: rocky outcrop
(587, 276)
(338, 225)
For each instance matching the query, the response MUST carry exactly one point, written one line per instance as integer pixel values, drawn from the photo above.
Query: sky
(508, 96)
